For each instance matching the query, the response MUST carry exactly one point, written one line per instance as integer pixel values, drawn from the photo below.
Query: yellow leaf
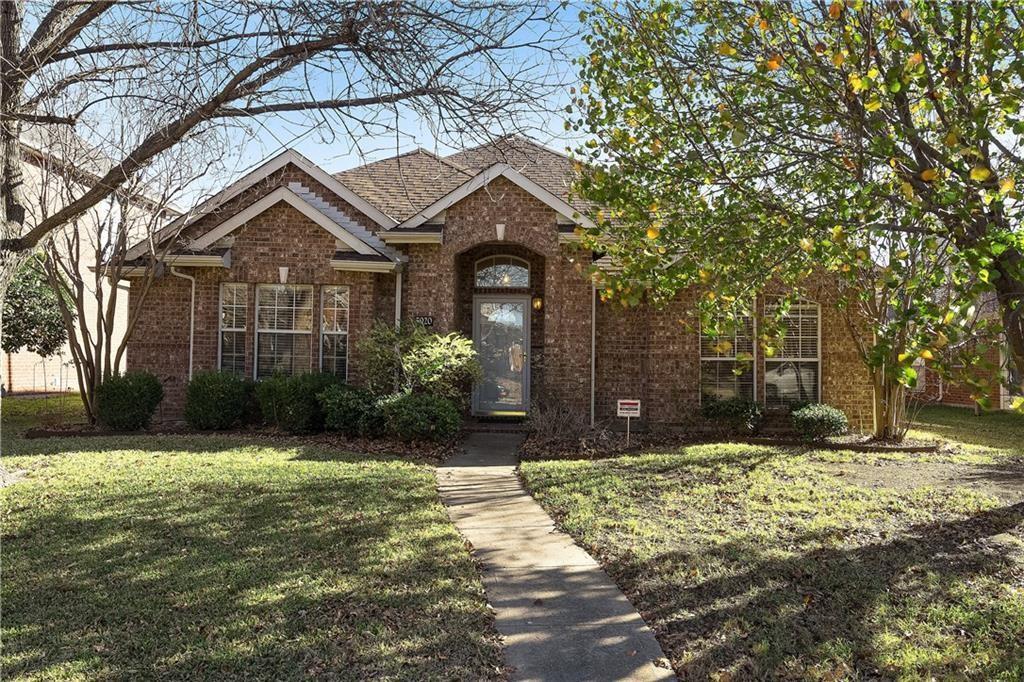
(653, 232)
(793, 20)
(950, 315)
(704, 275)
(902, 357)
(927, 354)
(873, 105)
(835, 9)
(838, 58)
(951, 139)
(872, 73)
(929, 174)
(1007, 185)
(914, 60)
(837, 232)
(856, 82)
(980, 174)
(862, 254)
(774, 62)
(908, 190)
(763, 25)
(726, 50)
(806, 244)
(769, 352)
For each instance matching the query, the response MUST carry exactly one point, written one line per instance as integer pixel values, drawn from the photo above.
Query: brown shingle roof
(404, 184)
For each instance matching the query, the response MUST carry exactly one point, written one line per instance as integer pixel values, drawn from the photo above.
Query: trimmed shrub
(818, 421)
(269, 394)
(412, 359)
(743, 416)
(127, 402)
(346, 409)
(291, 404)
(215, 400)
(420, 417)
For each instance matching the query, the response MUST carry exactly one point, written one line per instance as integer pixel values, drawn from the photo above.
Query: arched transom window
(502, 272)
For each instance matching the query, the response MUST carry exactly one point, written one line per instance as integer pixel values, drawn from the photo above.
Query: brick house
(286, 270)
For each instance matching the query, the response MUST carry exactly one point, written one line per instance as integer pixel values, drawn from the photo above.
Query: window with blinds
(726, 363)
(793, 374)
(234, 299)
(284, 328)
(334, 331)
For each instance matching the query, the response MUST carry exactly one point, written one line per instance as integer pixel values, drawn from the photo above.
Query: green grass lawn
(215, 557)
(760, 563)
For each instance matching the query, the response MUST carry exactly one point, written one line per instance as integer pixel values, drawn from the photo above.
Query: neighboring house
(286, 270)
(59, 165)
(56, 162)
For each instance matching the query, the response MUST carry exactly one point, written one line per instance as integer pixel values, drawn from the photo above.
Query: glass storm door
(501, 333)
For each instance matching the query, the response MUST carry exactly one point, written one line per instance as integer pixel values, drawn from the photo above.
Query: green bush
(743, 416)
(216, 400)
(346, 409)
(818, 421)
(127, 402)
(269, 394)
(291, 404)
(410, 359)
(420, 417)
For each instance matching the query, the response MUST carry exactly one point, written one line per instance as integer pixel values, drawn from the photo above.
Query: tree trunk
(1010, 290)
(889, 408)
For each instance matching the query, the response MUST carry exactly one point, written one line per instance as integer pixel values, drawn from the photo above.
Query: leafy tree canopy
(32, 317)
(739, 143)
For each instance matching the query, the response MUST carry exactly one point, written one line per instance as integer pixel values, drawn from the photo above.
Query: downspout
(593, 349)
(398, 298)
(191, 315)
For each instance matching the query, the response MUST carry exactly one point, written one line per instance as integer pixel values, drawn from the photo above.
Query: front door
(501, 333)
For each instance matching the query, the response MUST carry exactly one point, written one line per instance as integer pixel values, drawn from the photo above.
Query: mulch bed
(426, 452)
(607, 443)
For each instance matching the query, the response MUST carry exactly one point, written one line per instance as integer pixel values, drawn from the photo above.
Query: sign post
(628, 409)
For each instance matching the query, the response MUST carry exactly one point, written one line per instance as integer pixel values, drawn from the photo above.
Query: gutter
(191, 315)
(398, 299)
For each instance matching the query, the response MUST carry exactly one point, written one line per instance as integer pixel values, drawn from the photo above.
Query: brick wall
(643, 352)
(653, 354)
(562, 370)
(280, 236)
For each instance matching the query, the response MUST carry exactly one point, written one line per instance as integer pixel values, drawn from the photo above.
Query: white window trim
(257, 330)
(348, 321)
(220, 321)
(702, 358)
(815, 359)
(515, 260)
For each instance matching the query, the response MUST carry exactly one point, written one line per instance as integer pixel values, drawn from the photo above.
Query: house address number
(425, 320)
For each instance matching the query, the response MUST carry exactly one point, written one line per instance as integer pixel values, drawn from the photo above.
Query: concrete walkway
(561, 616)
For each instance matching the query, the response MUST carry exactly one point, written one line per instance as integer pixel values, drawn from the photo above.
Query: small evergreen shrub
(216, 400)
(127, 402)
(269, 394)
(743, 416)
(420, 417)
(291, 404)
(818, 421)
(346, 409)
(300, 411)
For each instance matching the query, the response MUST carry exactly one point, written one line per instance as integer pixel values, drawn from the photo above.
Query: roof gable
(323, 214)
(484, 178)
(264, 170)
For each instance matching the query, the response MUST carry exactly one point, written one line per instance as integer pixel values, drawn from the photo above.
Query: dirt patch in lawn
(1005, 481)
(10, 476)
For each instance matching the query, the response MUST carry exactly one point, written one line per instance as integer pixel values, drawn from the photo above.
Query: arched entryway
(500, 305)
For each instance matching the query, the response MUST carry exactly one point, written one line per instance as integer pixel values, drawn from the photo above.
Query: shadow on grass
(248, 573)
(771, 618)
(1001, 430)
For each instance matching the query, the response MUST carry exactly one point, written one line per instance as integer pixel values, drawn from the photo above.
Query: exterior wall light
(538, 303)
